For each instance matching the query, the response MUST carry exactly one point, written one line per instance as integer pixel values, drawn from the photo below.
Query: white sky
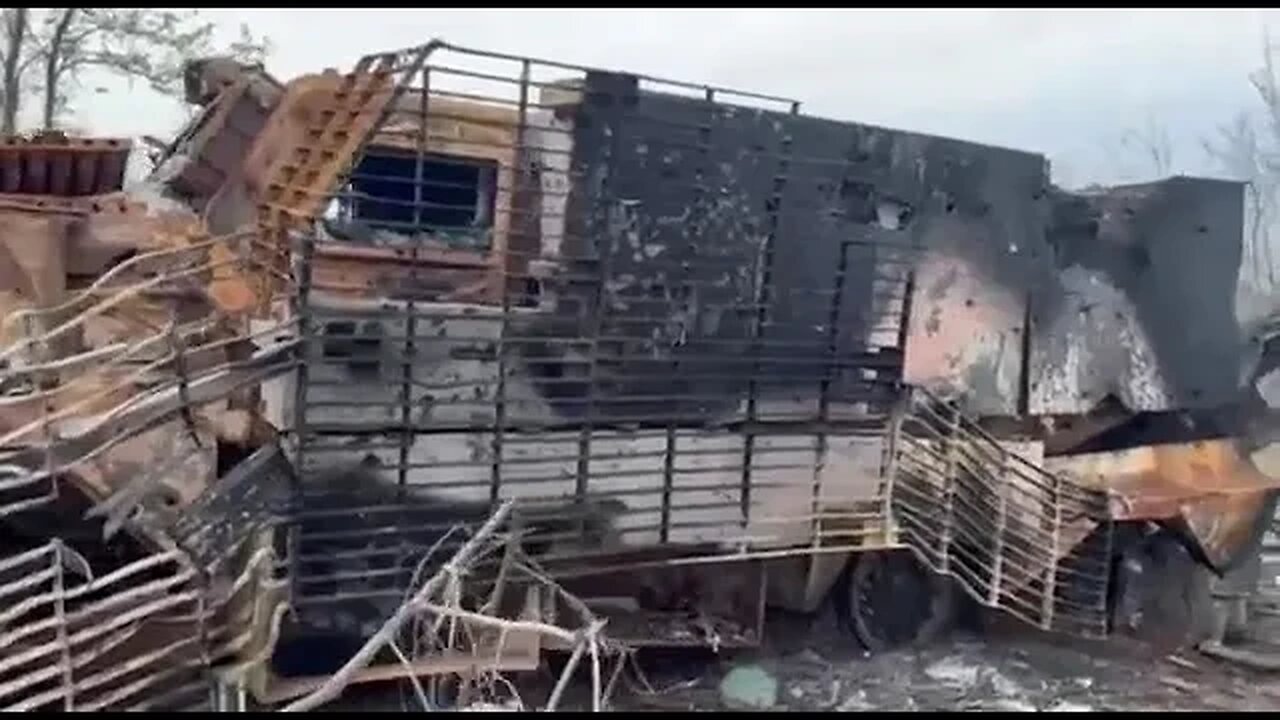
(1063, 83)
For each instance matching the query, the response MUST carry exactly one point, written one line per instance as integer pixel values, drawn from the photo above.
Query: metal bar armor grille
(659, 316)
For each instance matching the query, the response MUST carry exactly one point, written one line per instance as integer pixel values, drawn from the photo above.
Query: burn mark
(806, 189)
(1171, 338)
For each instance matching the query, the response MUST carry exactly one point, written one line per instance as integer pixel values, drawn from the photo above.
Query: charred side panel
(980, 223)
(740, 253)
(672, 234)
(843, 228)
(1143, 306)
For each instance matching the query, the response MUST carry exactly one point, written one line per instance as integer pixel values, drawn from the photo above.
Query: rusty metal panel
(209, 152)
(1218, 492)
(54, 164)
(90, 401)
(1143, 305)
(302, 152)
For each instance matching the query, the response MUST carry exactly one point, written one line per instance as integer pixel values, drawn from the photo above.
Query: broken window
(447, 197)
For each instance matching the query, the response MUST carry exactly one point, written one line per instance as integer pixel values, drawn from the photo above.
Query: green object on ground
(749, 687)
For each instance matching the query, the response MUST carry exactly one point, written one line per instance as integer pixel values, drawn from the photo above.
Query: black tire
(888, 600)
(1167, 601)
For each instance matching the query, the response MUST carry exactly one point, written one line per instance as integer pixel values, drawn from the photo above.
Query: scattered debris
(1067, 706)
(856, 701)
(1003, 685)
(953, 671)
(811, 656)
(1179, 684)
(1010, 705)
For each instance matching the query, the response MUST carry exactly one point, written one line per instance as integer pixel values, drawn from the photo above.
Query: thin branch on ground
(457, 631)
(338, 682)
(413, 676)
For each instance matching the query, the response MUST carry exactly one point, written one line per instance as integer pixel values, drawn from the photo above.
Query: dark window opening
(450, 197)
(360, 347)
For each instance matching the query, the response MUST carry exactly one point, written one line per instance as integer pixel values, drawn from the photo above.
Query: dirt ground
(817, 667)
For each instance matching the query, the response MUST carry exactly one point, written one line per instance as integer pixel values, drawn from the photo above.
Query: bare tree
(1240, 149)
(1248, 149)
(138, 44)
(1152, 144)
(14, 62)
(1141, 154)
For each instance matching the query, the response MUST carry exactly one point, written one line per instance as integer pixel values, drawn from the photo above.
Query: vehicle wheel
(889, 600)
(1163, 595)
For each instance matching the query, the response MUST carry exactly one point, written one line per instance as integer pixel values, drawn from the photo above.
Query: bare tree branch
(1153, 144)
(138, 44)
(340, 679)
(1248, 149)
(15, 35)
(54, 64)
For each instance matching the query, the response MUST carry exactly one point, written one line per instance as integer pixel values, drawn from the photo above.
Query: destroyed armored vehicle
(721, 354)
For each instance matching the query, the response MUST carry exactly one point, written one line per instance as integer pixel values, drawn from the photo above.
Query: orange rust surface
(310, 138)
(32, 254)
(442, 274)
(291, 168)
(300, 108)
(1218, 491)
(1153, 481)
(54, 164)
(97, 230)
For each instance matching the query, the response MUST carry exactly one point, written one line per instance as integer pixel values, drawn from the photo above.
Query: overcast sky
(1063, 83)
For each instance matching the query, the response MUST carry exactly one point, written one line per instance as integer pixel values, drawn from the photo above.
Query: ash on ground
(812, 664)
(809, 664)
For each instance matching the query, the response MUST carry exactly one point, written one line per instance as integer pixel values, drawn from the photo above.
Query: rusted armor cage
(670, 319)
(145, 636)
(71, 641)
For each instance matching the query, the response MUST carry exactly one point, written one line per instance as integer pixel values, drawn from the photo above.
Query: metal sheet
(1209, 484)
(54, 164)
(235, 507)
(210, 149)
(980, 222)
(1143, 306)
